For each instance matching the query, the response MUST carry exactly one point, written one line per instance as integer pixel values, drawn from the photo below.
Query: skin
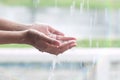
(42, 37)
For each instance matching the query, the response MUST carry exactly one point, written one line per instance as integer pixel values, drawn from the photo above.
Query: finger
(58, 50)
(49, 40)
(62, 38)
(66, 46)
(54, 31)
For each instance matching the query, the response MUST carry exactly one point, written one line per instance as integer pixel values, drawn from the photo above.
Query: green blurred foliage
(65, 3)
(101, 43)
(85, 43)
(15, 46)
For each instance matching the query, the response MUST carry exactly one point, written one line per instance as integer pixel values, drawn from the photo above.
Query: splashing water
(94, 20)
(72, 8)
(86, 71)
(92, 26)
(88, 4)
(51, 76)
(89, 71)
(36, 3)
(108, 23)
(34, 9)
(90, 36)
(82, 4)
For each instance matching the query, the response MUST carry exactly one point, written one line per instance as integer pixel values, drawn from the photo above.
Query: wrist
(24, 37)
(8, 37)
(27, 36)
(20, 37)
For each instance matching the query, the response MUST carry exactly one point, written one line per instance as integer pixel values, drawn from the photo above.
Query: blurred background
(96, 25)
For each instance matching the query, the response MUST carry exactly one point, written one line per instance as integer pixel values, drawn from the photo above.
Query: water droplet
(72, 8)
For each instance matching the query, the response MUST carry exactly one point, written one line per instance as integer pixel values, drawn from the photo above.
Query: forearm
(12, 26)
(8, 37)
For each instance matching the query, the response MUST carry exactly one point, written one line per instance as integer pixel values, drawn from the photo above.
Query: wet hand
(51, 32)
(47, 44)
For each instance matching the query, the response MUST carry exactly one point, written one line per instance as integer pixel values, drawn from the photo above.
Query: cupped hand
(45, 43)
(51, 32)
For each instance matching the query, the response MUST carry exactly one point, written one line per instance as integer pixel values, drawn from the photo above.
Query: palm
(46, 44)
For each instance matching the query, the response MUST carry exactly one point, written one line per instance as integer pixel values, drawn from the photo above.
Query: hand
(51, 32)
(46, 44)
(46, 29)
